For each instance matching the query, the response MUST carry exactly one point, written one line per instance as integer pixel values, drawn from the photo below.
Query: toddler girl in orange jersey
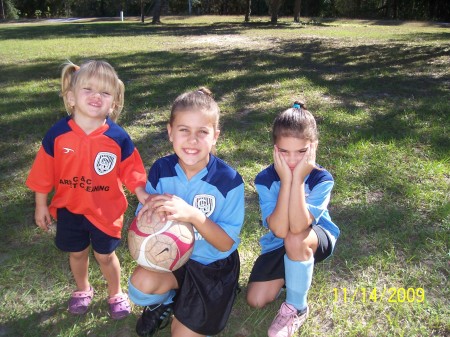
(85, 158)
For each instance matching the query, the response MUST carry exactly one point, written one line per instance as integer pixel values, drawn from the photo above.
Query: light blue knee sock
(298, 276)
(140, 298)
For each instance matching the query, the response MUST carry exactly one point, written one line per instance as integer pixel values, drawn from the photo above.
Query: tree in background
(248, 10)
(157, 12)
(274, 8)
(297, 8)
(9, 10)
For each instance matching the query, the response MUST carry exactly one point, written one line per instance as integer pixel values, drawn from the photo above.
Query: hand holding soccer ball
(160, 245)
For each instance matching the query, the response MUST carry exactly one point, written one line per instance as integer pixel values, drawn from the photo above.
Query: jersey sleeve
(41, 176)
(132, 171)
(318, 199)
(148, 186)
(231, 217)
(267, 202)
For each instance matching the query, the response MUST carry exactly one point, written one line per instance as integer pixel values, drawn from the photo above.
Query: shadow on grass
(82, 30)
(378, 76)
(104, 326)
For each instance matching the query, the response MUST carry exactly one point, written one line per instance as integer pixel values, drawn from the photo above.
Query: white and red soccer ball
(160, 246)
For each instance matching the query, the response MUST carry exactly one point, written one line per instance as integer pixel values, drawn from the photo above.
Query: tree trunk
(157, 12)
(142, 11)
(395, 9)
(275, 6)
(248, 10)
(3, 10)
(297, 8)
(431, 9)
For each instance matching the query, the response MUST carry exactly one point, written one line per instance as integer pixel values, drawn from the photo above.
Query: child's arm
(299, 216)
(42, 214)
(278, 220)
(141, 194)
(178, 209)
(211, 231)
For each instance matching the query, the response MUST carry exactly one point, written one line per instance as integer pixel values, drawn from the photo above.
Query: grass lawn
(380, 92)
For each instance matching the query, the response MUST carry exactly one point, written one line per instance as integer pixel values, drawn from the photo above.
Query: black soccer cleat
(153, 318)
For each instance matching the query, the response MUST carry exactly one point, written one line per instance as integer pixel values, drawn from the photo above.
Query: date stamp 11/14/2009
(389, 295)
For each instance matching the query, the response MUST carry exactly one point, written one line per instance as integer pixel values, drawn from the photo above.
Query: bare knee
(105, 259)
(178, 329)
(300, 247)
(259, 294)
(256, 302)
(84, 254)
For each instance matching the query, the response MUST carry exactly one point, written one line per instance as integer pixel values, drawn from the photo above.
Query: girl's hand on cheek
(307, 163)
(282, 168)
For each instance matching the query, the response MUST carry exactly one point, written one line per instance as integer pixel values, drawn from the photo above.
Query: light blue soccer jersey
(318, 186)
(217, 190)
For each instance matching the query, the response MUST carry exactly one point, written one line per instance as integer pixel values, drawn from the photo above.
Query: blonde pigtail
(67, 74)
(118, 102)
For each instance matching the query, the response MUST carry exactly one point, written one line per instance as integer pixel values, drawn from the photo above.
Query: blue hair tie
(296, 106)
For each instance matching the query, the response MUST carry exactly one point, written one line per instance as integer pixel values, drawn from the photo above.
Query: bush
(11, 12)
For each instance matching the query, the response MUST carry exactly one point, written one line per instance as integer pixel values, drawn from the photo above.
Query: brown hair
(295, 122)
(73, 76)
(200, 99)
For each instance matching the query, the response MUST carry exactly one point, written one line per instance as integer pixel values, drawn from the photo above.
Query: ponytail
(295, 122)
(67, 74)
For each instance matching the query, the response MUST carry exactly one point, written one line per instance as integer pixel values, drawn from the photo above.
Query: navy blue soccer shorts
(270, 266)
(74, 233)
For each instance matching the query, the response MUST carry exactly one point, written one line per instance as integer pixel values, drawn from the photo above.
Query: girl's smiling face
(91, 101)
(193, 135)
(292, 149)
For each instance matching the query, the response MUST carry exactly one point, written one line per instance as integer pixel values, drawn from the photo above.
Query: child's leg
(155, 292)
(266, 279)
(261, 293)
(180, 330)
(110, 267)
(148, 288)
(152, 282)
(81, 298)
(299, 266)
(79, 264)
(298, 281)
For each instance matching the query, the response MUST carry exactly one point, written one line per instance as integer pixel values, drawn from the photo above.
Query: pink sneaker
(79, 301)
(287, 321)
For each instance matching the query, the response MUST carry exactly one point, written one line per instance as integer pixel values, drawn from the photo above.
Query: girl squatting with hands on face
(85, 158)
(294, 193)
(195, 186)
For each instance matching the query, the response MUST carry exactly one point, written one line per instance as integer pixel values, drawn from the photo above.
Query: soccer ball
(160, 246)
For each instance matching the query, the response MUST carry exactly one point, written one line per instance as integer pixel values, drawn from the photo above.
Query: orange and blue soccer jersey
(87, 172)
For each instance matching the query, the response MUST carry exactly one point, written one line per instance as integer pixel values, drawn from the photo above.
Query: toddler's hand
(42, 217)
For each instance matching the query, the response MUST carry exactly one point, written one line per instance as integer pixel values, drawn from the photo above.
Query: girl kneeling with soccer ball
(194, 186)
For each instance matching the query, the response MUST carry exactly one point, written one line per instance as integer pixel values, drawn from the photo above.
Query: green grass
(380, 92)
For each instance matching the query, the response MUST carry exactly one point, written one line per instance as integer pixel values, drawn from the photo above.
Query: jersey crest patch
(104, 162)
(205, 202)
